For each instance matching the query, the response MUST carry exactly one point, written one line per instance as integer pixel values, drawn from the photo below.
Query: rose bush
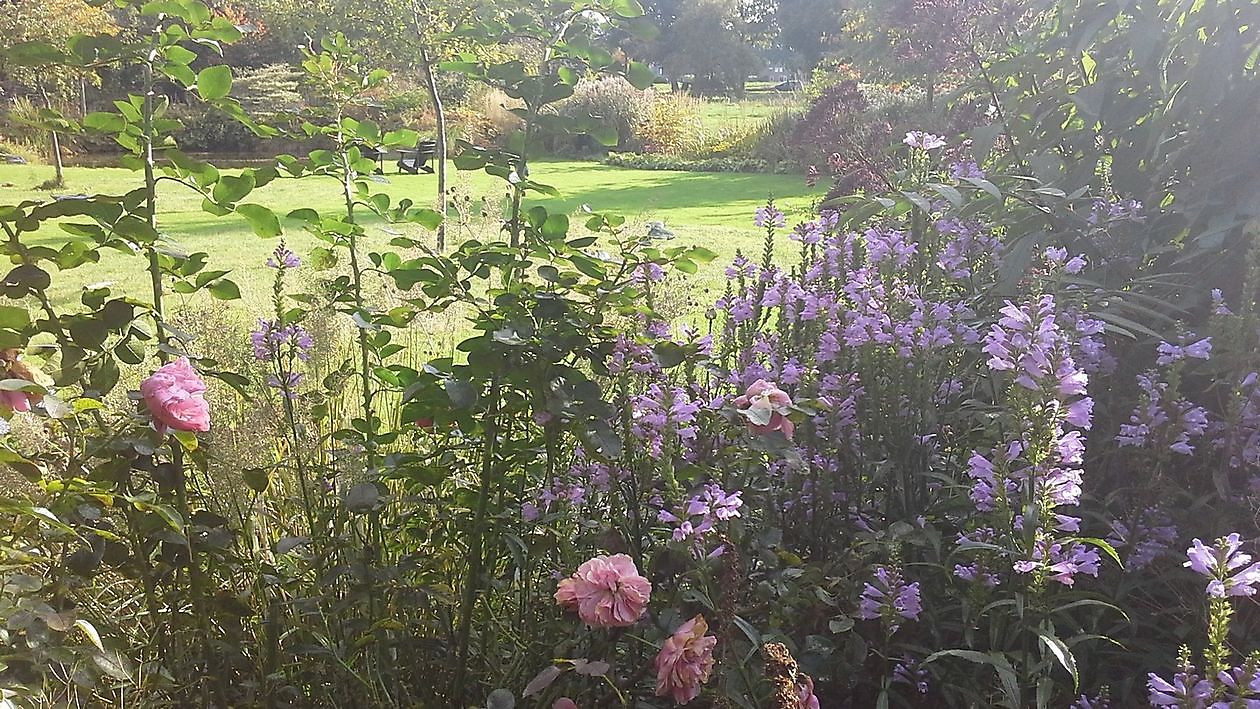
(940, 448)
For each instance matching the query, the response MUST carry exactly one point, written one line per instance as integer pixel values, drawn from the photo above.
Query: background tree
(53, 21)
(706, 41)
(808, 28)
(922, 41)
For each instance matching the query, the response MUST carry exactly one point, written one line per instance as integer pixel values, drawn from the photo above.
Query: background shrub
(614, 104)
(672, 126)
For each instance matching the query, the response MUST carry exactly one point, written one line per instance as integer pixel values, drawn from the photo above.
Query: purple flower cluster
(1186, 690)
(889, 597)
(1219, 307)
(966, 169)
(663, 414)
(1161, 420)
(560, 491)
(769, 216)
(282, 258)
(1057, 257)
(1170, 354)
(923, 141)
(630, 356)
(908, 671)
(1239, 438)
(1061, 562)
(1027, 342)
(288, 384)
(699, 517)
(1223, 563)
(1143, 539)
(1233, 687)
(977, 573)
(272, 340)
(1124, 210)
(968, 247)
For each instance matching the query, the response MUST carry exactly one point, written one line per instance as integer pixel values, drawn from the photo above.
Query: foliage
(664, 162)
(619, 107)
(943, 447)
(704, 43)
(672, 126)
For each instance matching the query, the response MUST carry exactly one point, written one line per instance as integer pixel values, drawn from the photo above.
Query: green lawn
(716, 114)
(713, 210)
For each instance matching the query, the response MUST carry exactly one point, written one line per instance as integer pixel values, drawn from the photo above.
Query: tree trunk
(430, 80)
(60, 179)
(418, 11)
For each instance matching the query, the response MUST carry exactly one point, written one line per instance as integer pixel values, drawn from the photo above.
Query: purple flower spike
(1221, 563)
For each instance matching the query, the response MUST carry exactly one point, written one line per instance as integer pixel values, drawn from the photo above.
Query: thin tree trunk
(60, 179)
(430, 80)
(418, 12)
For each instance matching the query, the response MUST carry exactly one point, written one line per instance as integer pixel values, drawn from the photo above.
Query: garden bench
(416, 160)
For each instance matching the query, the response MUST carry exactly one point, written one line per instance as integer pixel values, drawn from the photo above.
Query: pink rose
(15, 368)
(173, 395)
(685, 661)
(607, 592)
(766, 407)
(564, 703)
(806, 699)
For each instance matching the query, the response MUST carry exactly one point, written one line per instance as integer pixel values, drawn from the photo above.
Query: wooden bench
(416, 160)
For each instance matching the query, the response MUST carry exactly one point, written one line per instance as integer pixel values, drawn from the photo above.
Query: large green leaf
(214, 82)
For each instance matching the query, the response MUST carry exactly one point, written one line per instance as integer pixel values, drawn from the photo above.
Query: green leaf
(215, 82)
(105, 121)
(262, 220)
(187, 439)
(224, 289)
(640, 75)
(90, 631)
(322, 258)
(428, 218)
(14, 318)
(33, 54)
(1063, 654)
(627, 8)
(1006, 673)
(257, 479)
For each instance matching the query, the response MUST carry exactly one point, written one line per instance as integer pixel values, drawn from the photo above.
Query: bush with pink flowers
(941, 442)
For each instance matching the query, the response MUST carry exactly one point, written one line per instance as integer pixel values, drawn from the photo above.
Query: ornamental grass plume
(685, 661)
(766, 407)
(174, 396)
(793, 689)
(606, 591)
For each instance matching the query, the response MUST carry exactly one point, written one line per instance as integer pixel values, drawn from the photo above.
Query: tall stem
(475, 554)
(150, 198)
(356, 275)
(196, 581)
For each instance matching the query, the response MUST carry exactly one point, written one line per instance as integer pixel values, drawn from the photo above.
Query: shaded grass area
(709, 209)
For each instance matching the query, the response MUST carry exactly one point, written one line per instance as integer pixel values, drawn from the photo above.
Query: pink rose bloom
(685, 661)
(806, 698)
(15, 401)
(13, 367)
(173, 395)
(766, 407)
(564, 703)
(607, 592)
